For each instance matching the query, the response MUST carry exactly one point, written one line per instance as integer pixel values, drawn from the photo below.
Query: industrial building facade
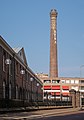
(17, 81)
(59, 87)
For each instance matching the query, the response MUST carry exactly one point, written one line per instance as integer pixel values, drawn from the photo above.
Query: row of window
(70, 81)
(53, 81)
(20, 93)
(63, 81)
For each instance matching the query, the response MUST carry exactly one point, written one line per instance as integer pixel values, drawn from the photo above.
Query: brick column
(73, 95)
(77, 99)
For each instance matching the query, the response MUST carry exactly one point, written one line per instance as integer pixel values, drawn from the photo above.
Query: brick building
(17, 81)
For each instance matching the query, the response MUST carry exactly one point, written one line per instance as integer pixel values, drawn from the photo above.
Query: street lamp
(22, 72)
(31, 79)
(37, 92)
(8, 62)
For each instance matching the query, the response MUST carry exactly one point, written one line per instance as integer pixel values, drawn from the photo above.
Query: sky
(26, 23)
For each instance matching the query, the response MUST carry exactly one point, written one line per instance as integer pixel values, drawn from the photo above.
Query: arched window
(16, 92)
(4, 90)
(20, 93)
(26, 95)
(10, 91)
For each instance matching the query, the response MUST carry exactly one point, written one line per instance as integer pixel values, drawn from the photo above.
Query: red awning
(65, 94)
(55, 87)
(47, 87)
(65, 87)
(55, 93)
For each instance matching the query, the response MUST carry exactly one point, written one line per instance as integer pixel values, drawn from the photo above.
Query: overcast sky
(26, 23)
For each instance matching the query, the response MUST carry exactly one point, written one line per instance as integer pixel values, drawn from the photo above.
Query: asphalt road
(78, 116)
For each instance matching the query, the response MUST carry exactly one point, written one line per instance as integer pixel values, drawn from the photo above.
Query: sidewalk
(38, 114)
(33, 108)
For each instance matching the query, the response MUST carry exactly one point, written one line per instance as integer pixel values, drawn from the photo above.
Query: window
(82, 87)
(16, 67)
(58, 81)
(75, 88)
(47, 81)
(67, 81)
(10, 69)
(63, 81)
(72, 81)
(54, 81)
(10, 91)
(20, 54)
(16, 92)
(82, 81)
(4, 90)
(76, 81)
(4, 58)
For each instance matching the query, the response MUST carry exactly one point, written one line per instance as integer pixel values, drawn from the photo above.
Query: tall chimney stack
(53, 44)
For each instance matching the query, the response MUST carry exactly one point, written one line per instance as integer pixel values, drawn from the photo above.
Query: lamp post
(31, 79)
(37, 92)
(22, 72)
(8, 62)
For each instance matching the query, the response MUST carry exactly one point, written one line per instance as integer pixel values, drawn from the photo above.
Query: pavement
(32, 108)
(38, 114)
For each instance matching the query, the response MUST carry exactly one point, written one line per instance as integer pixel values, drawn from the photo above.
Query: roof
(17, 49)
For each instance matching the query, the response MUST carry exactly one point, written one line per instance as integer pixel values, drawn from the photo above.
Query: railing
(19, 103)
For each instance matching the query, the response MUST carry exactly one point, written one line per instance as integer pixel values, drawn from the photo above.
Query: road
(55, 114)
(76, 116)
